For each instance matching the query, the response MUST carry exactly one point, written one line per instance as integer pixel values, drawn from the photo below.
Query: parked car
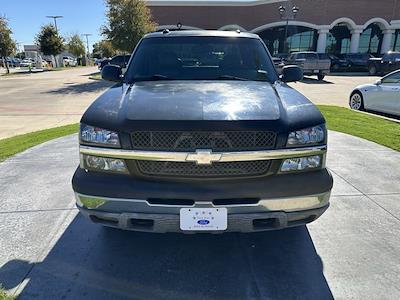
(382, 96)
(310, 63)
(120, 60)
(357, 61)
(207, 140)
(69, 61)
(104, 62)
(381, 66)
(278, 63)
(27, 63)
(337, 64)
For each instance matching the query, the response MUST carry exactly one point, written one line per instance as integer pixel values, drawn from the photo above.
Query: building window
(371, 40)
(299, 38)
(395, 46)
(338, 40)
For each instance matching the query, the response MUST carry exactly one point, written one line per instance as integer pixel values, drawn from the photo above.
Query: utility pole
(87, 41)
(55, 20)
(87, 45)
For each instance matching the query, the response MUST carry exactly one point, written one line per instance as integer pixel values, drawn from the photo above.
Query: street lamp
(285, 16)
(55, 20)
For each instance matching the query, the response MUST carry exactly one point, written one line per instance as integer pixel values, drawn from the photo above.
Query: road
(43, 100)
(48, 251)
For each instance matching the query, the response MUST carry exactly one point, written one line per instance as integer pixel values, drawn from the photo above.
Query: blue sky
(80, 16)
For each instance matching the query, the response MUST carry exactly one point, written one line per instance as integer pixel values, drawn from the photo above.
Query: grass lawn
(366, 126)
(4, 295)
(369, 127)
(19, 143)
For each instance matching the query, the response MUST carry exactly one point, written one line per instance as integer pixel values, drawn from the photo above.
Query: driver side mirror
(378, 82)
(291, 74)
(112, 73)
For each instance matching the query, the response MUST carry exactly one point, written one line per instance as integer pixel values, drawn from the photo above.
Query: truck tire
(372, 70)
(356, 101)
(321, 76)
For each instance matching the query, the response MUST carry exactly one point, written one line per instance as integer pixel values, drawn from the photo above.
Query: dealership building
(325, 26)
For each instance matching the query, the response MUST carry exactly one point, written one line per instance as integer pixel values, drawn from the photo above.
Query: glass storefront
(338, 40)
(299, 38)
(395, 46)
(371, 40)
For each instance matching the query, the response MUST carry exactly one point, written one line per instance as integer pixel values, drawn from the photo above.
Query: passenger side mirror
(378, 82)
(291, 74)
(112, 73)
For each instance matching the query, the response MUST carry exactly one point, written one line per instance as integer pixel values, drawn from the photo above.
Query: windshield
(201, 58)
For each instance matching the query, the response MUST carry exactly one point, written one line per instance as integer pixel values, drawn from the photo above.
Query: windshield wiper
(231, 77)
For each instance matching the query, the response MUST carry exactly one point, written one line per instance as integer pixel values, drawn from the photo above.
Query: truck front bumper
(254, 204)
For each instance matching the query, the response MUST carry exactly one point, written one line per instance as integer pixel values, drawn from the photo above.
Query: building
(332, 26)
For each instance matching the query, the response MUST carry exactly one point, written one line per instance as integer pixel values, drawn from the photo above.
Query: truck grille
(217, 169)
(217, 141)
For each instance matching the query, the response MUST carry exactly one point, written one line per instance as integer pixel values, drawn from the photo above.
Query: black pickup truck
(383, 65)
(200, 134)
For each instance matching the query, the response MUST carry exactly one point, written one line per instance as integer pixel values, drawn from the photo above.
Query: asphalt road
(43, 100)
(48, 251)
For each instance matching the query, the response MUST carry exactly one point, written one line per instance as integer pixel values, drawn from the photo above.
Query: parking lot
(31, 102)
(38, 101)
(335, 89)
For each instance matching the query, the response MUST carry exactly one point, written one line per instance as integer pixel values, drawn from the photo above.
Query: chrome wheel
(356, 101)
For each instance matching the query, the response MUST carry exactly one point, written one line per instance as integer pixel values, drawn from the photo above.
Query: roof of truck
(206, 33)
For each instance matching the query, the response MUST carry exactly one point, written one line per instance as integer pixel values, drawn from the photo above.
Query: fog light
(103, 164)
(301, 163)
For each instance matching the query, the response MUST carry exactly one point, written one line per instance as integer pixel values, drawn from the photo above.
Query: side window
(393, 78)
(311, 56)
(300, 56)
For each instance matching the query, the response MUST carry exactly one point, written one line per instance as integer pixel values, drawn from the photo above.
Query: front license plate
(316, 71)
(205, 219)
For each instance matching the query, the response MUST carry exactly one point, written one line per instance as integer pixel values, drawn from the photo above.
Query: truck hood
(201, 100)
(181, 103)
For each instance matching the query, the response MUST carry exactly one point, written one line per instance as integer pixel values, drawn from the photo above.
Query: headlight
(97, 163)
(313, 135)
(301, 163)
(99, 136)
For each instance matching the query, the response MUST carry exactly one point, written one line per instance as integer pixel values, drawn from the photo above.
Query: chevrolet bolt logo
(203, 157)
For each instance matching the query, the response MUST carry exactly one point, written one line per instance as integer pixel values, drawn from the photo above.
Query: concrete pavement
(333, 90)
(44, 100)
(48, 251)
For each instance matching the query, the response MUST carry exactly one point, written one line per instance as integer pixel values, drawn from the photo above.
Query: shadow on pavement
(308, 80)
(87, 87)
(92, 262)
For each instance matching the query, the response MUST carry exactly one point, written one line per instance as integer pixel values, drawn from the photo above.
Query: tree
(76, 45)
(127, 22)
(7, 45)
(49, 41)
(102, 49)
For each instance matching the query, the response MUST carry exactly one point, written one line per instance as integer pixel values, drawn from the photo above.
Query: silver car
(381, 96)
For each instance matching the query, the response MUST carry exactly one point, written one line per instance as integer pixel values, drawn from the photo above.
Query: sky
(80, 16)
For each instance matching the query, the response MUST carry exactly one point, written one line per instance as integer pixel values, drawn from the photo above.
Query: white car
(26, 63)
(381, 96)
(69, 61)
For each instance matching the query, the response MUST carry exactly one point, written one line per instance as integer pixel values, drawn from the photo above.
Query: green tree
(49, 41)
(76, 45)
(7, 45)
(127, 22)
(102, 49)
